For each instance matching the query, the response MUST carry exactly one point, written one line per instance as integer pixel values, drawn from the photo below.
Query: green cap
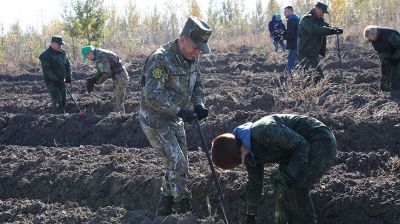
(57, 39)
(278, 17)
(85, 50)
(198, 31)
(323, 7)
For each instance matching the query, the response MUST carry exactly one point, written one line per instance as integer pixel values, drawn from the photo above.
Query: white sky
(37, 12)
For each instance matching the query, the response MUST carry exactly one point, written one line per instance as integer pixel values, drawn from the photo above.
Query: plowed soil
(101, 168)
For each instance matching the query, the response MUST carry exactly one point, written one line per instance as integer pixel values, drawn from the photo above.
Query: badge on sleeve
(157, 73)
(100, 67)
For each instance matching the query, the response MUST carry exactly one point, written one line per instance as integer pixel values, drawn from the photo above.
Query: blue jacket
(291, 34)
(275, 24)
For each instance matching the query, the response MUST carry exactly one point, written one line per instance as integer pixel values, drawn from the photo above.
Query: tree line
(132, 31)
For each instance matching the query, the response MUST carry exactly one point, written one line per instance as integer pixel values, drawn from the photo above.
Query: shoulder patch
(157, 73)
(100, 67)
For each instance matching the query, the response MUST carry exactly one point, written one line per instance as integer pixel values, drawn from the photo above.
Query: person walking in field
(109, 65)
(171, 85)
(304, 148)
(291, 38)
(386, 42)
(276, 29)
(311, 42)
(56, 72)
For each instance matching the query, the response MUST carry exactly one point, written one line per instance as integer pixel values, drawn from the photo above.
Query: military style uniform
(311, 44)
(304, 148)
(388, 47)
(109, 65)
(170, 82)
(56, 69)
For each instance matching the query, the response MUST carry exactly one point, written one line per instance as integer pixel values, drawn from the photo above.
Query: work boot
(183, 206)
(165, 206)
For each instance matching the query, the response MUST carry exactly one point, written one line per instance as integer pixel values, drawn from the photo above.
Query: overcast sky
(37, 12)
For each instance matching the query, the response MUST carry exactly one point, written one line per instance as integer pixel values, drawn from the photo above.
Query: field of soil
(101, 168)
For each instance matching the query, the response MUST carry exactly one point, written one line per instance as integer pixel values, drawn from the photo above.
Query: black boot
(183, 206)
(165, 206)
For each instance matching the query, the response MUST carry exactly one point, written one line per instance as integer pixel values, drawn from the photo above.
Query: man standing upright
(170, 83)
(386, 42)
(311, 41)
(109, 65)
(276, 29)
(56, 72)
(291, 38)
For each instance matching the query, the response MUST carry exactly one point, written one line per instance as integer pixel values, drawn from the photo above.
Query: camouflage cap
(198, 31)
(323, 7)
(57, 39)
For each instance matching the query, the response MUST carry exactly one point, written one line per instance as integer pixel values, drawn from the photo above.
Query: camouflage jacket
(55, 65)
(107, 63)
(283, 139)
(169, 83)
(311, 37)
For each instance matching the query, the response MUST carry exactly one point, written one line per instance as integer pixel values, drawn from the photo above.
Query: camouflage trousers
(311, 68)
(390, 79)
(58, 94)
(298, 204)
(121, 81)
(169, 142)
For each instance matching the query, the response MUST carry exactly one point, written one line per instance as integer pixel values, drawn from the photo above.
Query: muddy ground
(101, 169)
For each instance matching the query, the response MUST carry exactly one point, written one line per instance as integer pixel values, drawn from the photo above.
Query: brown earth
(100, 169)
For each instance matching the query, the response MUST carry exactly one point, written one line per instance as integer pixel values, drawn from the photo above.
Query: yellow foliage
(194, 9)
(338, 12)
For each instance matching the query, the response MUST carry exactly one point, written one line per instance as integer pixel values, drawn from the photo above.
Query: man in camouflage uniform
(386, 42)
(170, 83)
(311, 42)
(108, 65)
(304, 148)
(56, 72)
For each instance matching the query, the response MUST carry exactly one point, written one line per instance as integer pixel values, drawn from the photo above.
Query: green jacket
(311, 37)
(169, 83)
(55, 65)
(388, 45)
(280, 138)
(108, 64)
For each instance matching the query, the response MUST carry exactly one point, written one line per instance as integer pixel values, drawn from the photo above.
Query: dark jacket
(292, 29)
(55, 65)
(311, 37)
(387, 44)
(274, 25)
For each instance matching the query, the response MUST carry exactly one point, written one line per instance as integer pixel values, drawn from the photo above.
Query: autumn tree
(272, 8)
(194, 9)
(258, 18)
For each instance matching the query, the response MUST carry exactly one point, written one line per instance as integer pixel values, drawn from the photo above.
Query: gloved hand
(339, 31)
(59, 82)
(68, 79)
(249, 219)
(186, 115)
(201, 112)
(90, 83)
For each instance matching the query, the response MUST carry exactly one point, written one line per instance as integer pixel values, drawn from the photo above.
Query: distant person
(304, 148)
(276, 27)
(291, 38)
(311, 42)
(171, 94)
(386, 42)
(56, 72)
(109, 65)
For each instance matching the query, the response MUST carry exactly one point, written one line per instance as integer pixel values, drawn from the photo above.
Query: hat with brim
(323, 7)
(199, 32)
(58, 40)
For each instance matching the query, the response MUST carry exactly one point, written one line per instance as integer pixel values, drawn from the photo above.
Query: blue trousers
(291, 61)
(276, 45)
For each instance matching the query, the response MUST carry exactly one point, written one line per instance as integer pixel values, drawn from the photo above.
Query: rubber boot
(165, 206)
(183, 206)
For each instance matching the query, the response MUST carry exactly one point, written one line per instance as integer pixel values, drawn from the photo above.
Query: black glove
(68, 79)
(339, 31)
(201, 112)
(186, 115)
(90, 83)
(248, 219)
(59, 82)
